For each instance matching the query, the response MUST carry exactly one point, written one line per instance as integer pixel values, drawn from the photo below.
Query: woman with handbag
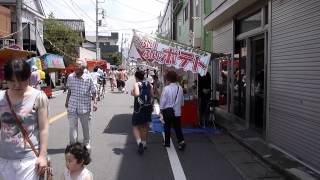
(171, 102)
(23, 125)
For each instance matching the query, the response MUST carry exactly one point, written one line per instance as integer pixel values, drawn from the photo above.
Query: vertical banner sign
(156, 50)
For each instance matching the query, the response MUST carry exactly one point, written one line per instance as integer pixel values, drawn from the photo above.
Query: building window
(186, 13)
(251, 22)
(197, 8)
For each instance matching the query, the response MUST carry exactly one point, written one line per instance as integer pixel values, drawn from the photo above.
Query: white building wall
(86, 54)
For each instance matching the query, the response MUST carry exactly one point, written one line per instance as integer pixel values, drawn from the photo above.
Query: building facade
(32, 23)
(269, 77)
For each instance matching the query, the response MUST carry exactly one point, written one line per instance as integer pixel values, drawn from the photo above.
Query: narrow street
(114, 151)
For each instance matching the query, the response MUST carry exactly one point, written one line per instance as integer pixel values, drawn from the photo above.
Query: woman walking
(23, 125)
(143, 95)
(170, 106)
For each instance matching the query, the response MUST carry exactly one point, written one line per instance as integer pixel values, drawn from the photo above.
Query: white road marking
(176, 167)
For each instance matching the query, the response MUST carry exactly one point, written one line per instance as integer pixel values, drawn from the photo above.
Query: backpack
(144, 98)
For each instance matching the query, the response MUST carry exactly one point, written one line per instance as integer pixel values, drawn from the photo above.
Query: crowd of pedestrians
(24, 126)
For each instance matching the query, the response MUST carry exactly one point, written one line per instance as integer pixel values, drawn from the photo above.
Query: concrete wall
(85, 53)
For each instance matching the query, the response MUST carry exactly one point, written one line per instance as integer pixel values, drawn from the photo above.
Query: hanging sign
(52, 61)
(161, 51)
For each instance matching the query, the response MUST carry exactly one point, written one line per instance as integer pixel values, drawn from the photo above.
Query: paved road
(115, 157)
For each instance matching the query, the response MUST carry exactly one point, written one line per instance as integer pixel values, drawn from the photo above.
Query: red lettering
(198, 63)
(169, 56)
(185, 58)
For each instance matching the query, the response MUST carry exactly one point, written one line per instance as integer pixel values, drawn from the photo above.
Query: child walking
(77, 156)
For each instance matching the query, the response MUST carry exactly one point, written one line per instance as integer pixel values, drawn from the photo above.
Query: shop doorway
(257, 78)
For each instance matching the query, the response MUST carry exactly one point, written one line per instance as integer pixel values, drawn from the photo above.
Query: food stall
(50, 63)
(188, 62)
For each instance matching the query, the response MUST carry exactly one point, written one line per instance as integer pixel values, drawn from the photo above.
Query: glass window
(222, 80)
(186, 13)
(250, 22)
(266, 14)
(197, 9)
(239, 88)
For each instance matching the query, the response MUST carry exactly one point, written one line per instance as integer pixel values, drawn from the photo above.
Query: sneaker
(140, 148)
(182, 146)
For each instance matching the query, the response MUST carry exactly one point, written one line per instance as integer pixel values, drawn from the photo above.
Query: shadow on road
(119, 124)
(55, 151)
(153, 164)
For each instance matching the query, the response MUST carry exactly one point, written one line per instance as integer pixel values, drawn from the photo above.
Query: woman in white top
(171, 102)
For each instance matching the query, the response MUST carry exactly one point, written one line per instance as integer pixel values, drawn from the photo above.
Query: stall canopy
(93, 63)
(13, 53)
(161, 51)
(52, 62)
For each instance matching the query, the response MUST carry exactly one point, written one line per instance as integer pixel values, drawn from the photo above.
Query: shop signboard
(52, 61)
(172, 54)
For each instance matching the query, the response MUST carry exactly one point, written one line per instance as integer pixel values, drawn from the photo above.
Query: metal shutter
(222, 38)
(294, 123)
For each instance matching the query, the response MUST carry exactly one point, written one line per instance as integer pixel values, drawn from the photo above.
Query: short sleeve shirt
(81, 90)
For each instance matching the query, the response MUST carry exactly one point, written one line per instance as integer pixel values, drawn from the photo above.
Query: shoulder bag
(48, 174)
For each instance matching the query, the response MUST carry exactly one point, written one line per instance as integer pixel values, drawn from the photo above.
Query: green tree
(58, 38)
(116, 59)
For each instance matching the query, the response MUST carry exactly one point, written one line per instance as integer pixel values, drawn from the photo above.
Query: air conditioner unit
(5, 43)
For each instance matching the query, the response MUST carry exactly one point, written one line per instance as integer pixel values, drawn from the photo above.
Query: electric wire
(130, 7)
(14, 32)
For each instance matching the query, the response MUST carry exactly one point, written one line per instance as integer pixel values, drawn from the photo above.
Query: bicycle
(101, 88)
(210, 121)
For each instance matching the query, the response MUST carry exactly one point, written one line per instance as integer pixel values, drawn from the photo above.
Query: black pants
(177, 128)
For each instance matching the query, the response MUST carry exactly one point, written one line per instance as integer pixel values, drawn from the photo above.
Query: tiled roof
(74, 24)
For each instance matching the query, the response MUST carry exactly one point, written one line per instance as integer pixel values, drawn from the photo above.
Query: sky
(120, 15)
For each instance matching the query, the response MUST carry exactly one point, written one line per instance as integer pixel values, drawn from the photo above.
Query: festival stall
(93, 63)
(50, 63)
(188, 62)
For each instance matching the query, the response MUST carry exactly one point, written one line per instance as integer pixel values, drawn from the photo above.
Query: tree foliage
(116, 59)
(62, 37)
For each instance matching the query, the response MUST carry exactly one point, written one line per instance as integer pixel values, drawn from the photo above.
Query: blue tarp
(157, 126)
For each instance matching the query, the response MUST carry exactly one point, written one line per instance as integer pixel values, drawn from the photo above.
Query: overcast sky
(120, 15)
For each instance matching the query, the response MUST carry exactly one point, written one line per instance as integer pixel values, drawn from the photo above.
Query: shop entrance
(257, 81)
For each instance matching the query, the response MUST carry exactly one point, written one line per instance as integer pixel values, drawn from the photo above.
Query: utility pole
(122, 48)
(19, 23)
(97, 34)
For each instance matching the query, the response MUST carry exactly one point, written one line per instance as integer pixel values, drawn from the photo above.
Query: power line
(130, 7)
(105, 31)
(14, 32)
(82, 10)
(142, 21)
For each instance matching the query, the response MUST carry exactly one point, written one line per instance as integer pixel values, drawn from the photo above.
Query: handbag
(48, 172)
(168, 113)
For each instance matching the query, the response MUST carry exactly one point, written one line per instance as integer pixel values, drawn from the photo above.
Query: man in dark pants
(204, 93)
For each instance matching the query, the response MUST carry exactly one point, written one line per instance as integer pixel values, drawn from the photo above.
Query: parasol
(10, 54)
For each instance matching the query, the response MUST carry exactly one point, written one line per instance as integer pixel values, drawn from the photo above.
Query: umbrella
(10, 54)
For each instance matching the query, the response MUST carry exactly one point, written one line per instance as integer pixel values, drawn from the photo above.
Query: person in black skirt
(143, 107)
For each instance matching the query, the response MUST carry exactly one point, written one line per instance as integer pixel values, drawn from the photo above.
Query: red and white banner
(156, 50)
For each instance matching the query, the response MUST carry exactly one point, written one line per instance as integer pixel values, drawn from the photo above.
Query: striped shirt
(81, 90)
